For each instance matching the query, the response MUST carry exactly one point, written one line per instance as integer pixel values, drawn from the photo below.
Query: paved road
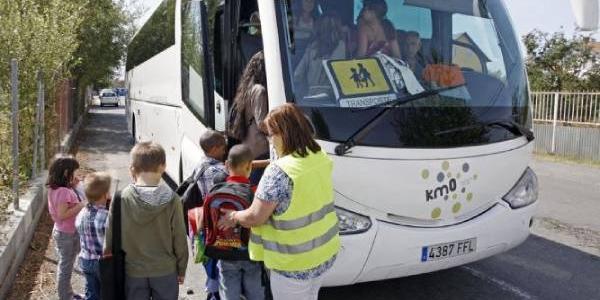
(541, 268)
(566, 191)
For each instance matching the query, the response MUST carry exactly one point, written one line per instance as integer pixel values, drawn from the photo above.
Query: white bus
(430, 151)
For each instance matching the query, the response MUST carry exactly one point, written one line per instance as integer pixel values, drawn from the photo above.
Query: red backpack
(230, 244)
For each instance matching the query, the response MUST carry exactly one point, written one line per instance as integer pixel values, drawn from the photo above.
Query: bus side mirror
(586, 14)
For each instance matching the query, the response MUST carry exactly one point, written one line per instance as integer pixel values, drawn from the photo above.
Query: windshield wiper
(510, 125)
(358, 135)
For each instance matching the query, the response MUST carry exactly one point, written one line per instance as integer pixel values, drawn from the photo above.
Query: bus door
(235, 38)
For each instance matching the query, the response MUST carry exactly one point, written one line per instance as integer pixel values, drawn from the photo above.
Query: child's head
(213, 144)
(97, 186)
(147, 157)
(62, 172)
(239, 161)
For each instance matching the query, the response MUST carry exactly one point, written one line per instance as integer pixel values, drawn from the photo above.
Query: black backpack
(190, 194)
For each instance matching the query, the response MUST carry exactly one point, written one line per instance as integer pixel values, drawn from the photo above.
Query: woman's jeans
(91, 271)
(284, 288)
(67, 247)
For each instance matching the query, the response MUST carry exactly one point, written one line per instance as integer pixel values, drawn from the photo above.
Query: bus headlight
(352, 223)
(524, 192)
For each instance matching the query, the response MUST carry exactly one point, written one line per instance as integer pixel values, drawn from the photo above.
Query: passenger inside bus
(250, 38)
(412, 54)
(304, 24)
(375, 32)
(306, 13)
(328, 43)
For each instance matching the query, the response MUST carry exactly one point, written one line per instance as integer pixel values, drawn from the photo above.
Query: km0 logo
(441, 190)
(450, 185)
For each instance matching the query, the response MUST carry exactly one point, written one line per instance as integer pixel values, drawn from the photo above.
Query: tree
(83, 40)
(558, 63)
(41, 35)
(103, 37)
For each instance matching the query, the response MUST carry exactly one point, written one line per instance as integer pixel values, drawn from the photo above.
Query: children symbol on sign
(366, 76)
(361, 77)
(356, 77)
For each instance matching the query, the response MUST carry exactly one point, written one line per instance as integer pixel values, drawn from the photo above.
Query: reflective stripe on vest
(299, 248)
(303, 221)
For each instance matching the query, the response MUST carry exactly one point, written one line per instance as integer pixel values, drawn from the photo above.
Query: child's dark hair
(238, 155)
(62, 171)
(210, 139)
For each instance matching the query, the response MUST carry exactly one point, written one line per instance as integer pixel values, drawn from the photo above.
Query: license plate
(446, 250)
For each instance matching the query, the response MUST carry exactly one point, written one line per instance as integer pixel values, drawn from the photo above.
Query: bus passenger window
(217, 49)
(192, 59)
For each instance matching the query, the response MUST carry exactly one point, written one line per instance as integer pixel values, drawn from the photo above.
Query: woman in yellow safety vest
(294, 225)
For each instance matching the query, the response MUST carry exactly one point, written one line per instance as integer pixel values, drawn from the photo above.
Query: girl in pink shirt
(64, 204)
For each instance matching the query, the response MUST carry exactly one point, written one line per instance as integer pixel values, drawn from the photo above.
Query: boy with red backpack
(210, 170)
(237, 274)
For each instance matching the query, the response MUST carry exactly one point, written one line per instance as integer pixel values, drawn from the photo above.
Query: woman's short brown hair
(295, 130)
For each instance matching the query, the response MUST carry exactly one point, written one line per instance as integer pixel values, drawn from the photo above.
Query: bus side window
(193, 70)
(218, 49)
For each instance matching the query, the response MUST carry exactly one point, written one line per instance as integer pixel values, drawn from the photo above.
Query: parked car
(109, 97)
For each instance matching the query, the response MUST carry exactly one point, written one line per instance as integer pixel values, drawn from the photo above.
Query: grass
(567, 159)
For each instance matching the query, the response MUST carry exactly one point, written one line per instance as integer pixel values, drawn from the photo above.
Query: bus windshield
(349, 60)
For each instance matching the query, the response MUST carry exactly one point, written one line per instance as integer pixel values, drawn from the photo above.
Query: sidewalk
(569, 204)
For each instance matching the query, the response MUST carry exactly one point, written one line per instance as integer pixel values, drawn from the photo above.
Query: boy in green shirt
(153, 232)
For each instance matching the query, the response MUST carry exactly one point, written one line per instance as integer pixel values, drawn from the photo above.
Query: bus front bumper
(391, 251)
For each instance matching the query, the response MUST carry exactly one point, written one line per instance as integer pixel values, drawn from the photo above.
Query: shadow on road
(538, 269)
(107, 127)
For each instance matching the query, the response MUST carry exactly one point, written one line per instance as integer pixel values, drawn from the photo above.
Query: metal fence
(13, 129)
(566, 108)
(567, 124)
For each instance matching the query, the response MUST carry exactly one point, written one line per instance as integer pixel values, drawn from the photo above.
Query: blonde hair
(96, 185)
(147, 157)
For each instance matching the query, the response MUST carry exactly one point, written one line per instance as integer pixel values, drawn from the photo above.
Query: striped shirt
(91, 225)
(213, 170)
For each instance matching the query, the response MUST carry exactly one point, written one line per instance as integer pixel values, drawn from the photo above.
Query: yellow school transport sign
(359, 82)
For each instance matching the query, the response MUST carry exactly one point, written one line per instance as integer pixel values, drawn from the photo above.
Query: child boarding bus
(422, 105)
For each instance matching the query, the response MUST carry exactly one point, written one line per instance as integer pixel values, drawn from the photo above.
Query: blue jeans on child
(91, 271)
(240, 277)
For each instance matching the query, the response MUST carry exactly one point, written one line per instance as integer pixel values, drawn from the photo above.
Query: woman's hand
(257, 214)
(227, 219)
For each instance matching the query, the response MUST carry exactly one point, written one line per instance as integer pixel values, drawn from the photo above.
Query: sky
(546, 15)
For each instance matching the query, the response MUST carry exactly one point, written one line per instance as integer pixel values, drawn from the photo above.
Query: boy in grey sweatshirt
(153, 232)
